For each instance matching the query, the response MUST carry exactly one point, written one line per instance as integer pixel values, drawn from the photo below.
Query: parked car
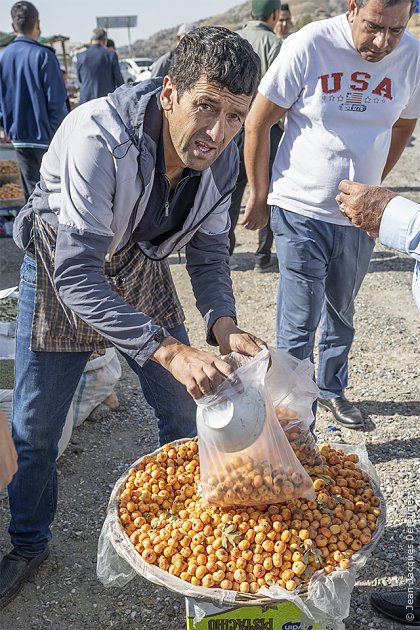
(135, 69)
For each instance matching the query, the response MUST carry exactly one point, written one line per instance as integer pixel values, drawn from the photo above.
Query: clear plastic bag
(292, 390)
(245, 458)
(290, 385)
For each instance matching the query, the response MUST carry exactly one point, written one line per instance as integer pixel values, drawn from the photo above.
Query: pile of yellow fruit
(11, 191)
(8, 167)
(165, 516)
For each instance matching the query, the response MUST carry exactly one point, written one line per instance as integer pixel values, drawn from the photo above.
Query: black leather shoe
(271, 267)
(14, 572)
(343, 411)
(401, 606)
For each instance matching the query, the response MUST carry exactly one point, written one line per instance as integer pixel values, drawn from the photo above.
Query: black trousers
(29, 164)
(265, 235)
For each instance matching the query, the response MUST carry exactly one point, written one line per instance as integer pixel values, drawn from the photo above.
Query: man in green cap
(259, 31)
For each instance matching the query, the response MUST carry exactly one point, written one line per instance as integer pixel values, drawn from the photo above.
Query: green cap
(264, 8)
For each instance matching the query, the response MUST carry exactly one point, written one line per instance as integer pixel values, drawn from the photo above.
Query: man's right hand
(256, 214)
(200, 372)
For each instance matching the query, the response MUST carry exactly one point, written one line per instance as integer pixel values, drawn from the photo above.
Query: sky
(77, 18)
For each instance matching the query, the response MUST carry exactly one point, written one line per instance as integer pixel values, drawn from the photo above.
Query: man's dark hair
(110, 43)
(284, 7)
(386, 3)
(219, 55)
(24, 17)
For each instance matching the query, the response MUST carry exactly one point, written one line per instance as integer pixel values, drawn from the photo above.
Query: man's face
(284, 24)
(376, 30)
(202, 123)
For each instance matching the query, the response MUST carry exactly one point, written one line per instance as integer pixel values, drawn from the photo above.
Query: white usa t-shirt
(341, 111)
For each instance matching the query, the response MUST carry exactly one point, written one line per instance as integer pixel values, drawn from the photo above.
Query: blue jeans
(45, 383)
(322, 267)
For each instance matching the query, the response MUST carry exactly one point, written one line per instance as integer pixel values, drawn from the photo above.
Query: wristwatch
(160, 335)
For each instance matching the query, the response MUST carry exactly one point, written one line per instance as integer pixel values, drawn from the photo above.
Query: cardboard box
(281, 616)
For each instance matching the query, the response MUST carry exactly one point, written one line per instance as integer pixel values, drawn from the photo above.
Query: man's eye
(396, 31)
(205, 106)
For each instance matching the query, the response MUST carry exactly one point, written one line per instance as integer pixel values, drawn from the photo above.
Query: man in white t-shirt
(350, 89)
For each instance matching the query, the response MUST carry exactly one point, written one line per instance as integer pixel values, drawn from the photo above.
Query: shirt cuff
(151, 345)
(395, 223)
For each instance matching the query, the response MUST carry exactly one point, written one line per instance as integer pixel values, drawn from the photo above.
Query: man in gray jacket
(128, 180)
(259, 32)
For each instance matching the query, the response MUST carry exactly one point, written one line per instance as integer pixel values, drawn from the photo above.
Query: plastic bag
(326, 602)
(96, 384)
(245, 458)
(292, 390)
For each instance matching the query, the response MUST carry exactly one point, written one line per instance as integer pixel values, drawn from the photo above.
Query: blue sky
(77, 18)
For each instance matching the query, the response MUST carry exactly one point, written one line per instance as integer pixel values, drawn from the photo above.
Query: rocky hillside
(303, 11)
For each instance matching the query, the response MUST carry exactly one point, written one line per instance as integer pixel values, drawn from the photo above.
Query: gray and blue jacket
(96, 180)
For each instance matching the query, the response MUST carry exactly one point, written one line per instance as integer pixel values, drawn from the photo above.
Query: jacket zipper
(166, 205)
(194, 227)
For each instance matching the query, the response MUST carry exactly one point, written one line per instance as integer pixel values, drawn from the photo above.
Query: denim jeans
(45, 383)
(322, 267)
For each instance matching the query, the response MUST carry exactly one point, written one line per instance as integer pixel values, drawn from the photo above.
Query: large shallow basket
(114, 533)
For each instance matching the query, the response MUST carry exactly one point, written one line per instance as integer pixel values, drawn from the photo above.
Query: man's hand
(256, 215)
(232, 339)
(200, 372)
(8, 457)
(363, 205)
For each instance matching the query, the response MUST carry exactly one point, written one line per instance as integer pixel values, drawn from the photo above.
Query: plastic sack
(96, 384)
(326, 602)
(291, 387)
(245, 458)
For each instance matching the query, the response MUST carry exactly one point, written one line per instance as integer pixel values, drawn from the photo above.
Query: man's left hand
(363, 205)
(232, 339)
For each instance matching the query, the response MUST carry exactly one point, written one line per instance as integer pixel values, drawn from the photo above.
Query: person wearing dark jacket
(33, 97)
(97, 68)
(128, 180)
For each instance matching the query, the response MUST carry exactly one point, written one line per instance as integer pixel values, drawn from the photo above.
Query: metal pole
(129, 38)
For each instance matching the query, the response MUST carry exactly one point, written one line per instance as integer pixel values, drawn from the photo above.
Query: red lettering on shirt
(359, 83)
(327, 88)
(384, 89)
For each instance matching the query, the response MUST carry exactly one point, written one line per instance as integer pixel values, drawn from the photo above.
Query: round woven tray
(126, 550)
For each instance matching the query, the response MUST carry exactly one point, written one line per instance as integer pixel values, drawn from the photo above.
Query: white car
(135, 69)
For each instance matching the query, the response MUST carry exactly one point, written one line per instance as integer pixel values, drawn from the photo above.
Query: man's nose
(381, 39)
(217, 131)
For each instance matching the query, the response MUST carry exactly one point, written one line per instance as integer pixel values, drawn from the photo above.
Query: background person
(128, 180)
(259, 32)
(284, 22)
(383, 213)
(97, 67)
(110, 44)
(160, 67)
(396, 221)
(33, 97)
(349, 107)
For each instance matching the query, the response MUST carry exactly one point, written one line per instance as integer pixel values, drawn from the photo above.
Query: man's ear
(168, 94)
(352, 8)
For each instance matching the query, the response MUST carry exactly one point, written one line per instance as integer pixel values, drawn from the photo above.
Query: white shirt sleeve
(283, 81)
(400, 229)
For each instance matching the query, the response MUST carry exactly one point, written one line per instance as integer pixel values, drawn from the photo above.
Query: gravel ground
(65, 594)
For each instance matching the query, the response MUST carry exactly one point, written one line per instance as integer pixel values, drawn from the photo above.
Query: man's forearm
(257, 156)
(401, 133)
